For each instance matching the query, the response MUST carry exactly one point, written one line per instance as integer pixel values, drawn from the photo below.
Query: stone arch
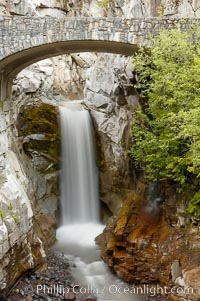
(14, 63)
(29, 40)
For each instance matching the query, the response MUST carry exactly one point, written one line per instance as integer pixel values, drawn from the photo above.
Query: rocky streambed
(54, 282)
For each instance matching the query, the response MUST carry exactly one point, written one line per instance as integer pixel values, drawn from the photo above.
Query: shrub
(166, 126)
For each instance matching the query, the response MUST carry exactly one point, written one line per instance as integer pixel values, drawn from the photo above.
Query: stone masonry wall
(24, 32)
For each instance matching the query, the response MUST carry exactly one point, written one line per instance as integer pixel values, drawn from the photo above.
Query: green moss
(14, 216)
(40, 118)
(104, 3)
(10, 207)
(2, 214)
(53, 145)
(160, 11)
(50, 147)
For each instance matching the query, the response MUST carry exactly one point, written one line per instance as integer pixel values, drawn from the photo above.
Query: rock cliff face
(29, 188)
(111, 99)
(20, 245)
(145, 243)
(29, 163)
(39, 142)
(99, 8)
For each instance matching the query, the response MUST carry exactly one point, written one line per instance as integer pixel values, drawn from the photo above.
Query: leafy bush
(194, 205)
(166, 126)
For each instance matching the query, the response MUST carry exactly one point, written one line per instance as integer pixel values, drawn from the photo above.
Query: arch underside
(14, 63)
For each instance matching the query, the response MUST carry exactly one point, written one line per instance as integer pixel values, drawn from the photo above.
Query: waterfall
(79, 175)
(79, 205)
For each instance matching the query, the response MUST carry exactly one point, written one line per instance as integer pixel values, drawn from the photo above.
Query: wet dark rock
(26, 289)
(43, 285)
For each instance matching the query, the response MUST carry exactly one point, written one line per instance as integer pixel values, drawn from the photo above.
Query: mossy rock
(38, 123)
(38, 118)
(50, 145)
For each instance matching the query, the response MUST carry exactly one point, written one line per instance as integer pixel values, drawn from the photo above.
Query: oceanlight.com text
(149, 290)
(114, 289)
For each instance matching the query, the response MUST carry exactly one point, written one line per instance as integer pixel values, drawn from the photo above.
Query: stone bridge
(25, 40)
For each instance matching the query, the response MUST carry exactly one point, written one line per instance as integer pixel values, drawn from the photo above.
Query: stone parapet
(19, 33)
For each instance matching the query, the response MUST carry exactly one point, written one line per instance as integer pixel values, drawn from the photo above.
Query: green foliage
(11, 213)
(160, 11)
(10, 207)
(104, 3)
(194, 206)
(2, 214)
(14, 216)
(166, 127)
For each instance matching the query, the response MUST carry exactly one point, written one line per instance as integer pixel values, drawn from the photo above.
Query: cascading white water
(79, 176)
(80, 209)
